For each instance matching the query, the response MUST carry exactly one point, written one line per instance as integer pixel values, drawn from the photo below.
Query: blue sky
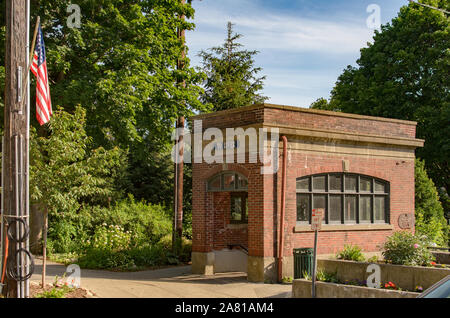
(304, 45)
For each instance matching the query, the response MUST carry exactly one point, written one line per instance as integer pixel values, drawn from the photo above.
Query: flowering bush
(389, 285)
(404, 248)
(112, 237)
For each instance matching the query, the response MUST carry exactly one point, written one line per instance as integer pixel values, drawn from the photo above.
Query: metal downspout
(283, 204)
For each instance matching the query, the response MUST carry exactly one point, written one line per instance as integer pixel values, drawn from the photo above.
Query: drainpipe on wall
(283, 204)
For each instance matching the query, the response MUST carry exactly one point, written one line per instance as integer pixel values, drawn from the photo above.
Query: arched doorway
(228, 192)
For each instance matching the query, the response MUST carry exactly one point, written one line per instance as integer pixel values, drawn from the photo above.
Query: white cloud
(266, 30)
(300, 54)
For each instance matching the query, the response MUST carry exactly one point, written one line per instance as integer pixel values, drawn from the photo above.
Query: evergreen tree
(231, 75)
(404, 74)
(430, 220)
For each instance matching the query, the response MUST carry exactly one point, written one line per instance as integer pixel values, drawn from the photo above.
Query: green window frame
(347, 198)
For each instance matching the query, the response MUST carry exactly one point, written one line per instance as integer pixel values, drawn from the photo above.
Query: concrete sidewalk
(174, 282)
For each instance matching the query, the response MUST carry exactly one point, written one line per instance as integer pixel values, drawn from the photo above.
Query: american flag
(39, 69)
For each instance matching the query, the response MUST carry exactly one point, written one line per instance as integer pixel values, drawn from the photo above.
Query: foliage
(323, 276)
(430, 220)
(135, 258)
(322, 104)
(55, 292)
(64, 172)
(350, 253)
(404, 248)
(112, 237)
(287, 279)
(231, 75)
(390, 285)
(306, 275)
(120, 65)
(145, 224)
(373, 259)
(404, 74)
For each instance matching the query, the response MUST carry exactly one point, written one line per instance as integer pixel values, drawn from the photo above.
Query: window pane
(303, 184)
(242, 183)
(228, 181)
(365, 184)
(236, 209)
(335, 182)
(319, 183)
(214, 184)
(364, 208)
(380, 186)
(303, 207)
(319, 202)
(350, 183)
(350, 208)
(380, 204)
(335, 208)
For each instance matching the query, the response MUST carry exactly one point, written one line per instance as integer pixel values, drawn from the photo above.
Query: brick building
(359, 169)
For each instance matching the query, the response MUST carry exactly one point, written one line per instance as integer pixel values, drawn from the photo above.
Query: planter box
(405, 277)
(301, 288)
(442, 257)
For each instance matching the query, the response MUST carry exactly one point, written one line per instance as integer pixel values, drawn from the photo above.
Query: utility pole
(15, 158)
(179, 164)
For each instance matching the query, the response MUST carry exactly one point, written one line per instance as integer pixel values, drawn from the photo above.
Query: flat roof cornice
(303, 110)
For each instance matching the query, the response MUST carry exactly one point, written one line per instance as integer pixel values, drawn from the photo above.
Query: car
(439, 290)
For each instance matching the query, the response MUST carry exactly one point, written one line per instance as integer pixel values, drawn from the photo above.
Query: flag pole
(30, 61)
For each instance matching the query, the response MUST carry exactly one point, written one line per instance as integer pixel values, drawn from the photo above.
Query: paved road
(175, 282)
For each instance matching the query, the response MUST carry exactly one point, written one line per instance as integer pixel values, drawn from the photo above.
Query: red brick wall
(399, 173)
(264, 192)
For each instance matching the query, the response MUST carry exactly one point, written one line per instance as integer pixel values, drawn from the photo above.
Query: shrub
(351, 253)
(112, 237)
(404, 248)
(146, 223)
(430, 219)
(323, 276)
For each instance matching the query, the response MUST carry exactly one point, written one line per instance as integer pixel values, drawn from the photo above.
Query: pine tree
(430, 220)
(231, 75)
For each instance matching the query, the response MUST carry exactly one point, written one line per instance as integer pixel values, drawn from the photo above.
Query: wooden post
(15, 133)
(179, 167)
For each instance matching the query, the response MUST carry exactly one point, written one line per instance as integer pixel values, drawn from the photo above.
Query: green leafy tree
(404, 74)
(323, 104)
(65, 172)
(121, 66)
(430, 220)
(232, 79)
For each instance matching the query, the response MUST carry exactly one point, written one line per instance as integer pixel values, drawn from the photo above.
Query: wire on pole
(428, 6)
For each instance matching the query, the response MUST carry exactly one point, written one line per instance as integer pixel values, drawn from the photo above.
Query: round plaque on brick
(405, 221)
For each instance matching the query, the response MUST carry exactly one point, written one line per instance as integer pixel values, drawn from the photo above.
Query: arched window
(227, 181)
(346, 198)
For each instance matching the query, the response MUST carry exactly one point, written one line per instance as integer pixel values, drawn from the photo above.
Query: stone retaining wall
(405, 277)
(301, 288)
